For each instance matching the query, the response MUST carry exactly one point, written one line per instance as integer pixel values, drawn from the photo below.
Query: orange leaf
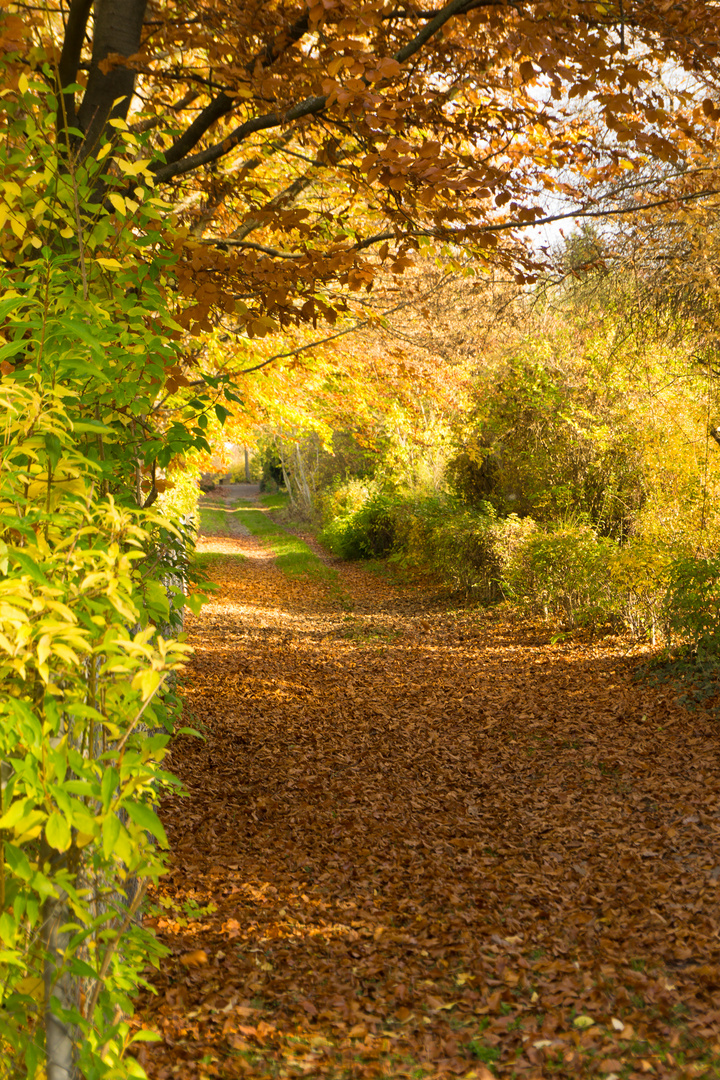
(194, 959)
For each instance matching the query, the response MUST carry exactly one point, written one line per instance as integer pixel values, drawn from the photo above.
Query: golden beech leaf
(198, 958)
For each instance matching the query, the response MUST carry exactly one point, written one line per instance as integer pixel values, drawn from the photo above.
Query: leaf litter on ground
(425, 842)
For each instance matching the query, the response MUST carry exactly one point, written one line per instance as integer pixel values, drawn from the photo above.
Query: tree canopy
(305, 145)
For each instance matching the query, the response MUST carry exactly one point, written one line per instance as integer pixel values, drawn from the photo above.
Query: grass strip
(292, 554)
(213, 522)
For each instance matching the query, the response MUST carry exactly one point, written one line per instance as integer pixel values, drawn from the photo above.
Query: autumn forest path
(423, 842)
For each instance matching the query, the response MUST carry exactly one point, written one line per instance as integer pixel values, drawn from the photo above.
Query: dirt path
(420, 843)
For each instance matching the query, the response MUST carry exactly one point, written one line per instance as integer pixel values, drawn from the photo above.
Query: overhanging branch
(177, 165)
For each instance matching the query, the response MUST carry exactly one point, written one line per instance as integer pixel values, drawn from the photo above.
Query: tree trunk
(62, 988)
(117, 29)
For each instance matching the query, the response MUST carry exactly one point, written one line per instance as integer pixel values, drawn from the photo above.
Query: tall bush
(362, 521)
(692, 604)
(83, 730)
(86, 350)
(564, 573)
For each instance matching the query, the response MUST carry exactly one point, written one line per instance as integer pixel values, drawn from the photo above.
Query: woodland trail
(422, 842)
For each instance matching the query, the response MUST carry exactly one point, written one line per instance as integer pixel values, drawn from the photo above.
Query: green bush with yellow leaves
(83, 731)
(88, 623)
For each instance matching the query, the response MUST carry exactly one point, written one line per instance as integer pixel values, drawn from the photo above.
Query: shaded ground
(426, 843)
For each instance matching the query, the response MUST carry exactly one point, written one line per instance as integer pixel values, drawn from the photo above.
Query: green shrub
(85, 721)
(564, 573)
(467, 549)
(692, 604)
(367, 528)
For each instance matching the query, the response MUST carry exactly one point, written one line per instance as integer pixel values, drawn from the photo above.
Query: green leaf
(195, 602)
(110, 781)
(8, 928)
(57, 832)
(30, 567)
(54, 448)
(93, 427)
(80, 967)
(111, 833)
(18, 862)
(147, 819)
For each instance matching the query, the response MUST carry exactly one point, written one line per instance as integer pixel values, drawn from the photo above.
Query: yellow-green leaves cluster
(84, 724)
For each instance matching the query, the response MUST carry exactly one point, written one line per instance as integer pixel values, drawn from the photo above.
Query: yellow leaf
(146, 682)
(18, 226)
(32, 987)
(111, 264)
(66, 654)
(44, 649)
(23, 84)
(132, 168)
(583, 1022)
(118, 202)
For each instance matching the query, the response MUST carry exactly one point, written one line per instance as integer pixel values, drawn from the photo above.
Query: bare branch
(340, 333)
(151, 122)
(293, 191)
(226, 242)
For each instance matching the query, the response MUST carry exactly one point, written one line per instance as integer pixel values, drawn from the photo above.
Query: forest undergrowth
(423, 841)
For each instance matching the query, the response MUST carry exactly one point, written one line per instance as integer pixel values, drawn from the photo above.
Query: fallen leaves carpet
(421, 842)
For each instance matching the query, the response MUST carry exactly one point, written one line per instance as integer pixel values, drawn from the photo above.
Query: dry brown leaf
(353, 900)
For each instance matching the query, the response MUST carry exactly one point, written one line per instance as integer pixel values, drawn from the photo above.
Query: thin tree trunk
(303, 486)
(286, 478)
(62, 988)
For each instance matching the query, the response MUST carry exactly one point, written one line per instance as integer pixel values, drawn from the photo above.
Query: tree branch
(340, 333)
(250, 127)
(173, 166)
(243, 168)
(227, 242)
(151, 122)
(118, 28)
(289, 194)
(78, 16)
(224, 103)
